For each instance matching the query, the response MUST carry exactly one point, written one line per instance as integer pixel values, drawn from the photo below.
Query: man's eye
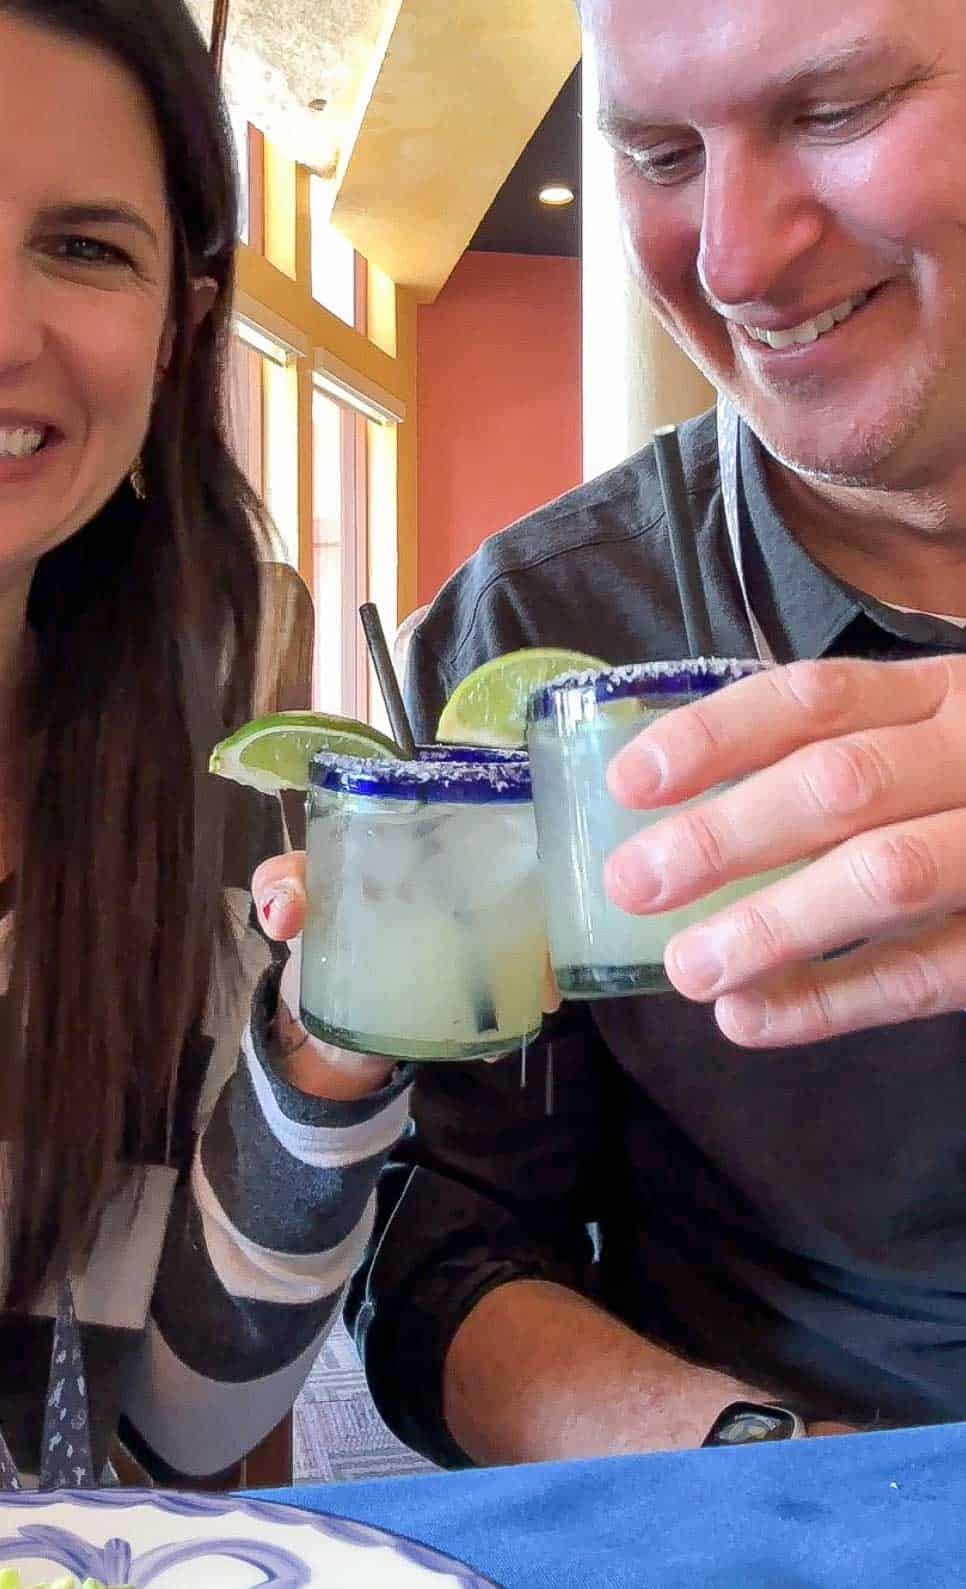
(846, 118)
(665, 166)
(89, 251)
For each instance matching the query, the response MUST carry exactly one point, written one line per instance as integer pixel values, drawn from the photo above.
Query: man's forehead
(725, 16)
(656, 48)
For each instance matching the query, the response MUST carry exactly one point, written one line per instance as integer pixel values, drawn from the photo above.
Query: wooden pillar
(635, 377)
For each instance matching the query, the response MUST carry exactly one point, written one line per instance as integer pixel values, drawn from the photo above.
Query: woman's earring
(138, 482)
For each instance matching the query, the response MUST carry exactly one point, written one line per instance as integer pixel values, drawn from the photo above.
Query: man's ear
(204, 292)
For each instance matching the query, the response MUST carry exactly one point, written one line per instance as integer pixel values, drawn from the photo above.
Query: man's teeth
(21, 442)
(809, 330)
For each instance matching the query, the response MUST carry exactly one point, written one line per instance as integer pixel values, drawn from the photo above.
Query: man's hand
(861, 765)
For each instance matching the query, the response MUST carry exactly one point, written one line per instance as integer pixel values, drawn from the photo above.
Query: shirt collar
(802, 608)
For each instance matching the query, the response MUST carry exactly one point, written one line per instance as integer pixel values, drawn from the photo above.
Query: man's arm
(488, 1188)
(538, 1373)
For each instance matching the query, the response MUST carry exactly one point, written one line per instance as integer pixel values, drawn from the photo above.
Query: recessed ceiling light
(556, 194)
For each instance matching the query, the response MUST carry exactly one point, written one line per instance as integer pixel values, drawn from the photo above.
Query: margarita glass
(425, 936)
(575, 726)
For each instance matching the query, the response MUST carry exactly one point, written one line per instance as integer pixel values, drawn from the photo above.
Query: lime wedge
(273, 753)
(10, 1579)
(489, 707)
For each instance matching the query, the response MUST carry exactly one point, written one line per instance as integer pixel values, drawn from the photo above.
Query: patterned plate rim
(180, 1504)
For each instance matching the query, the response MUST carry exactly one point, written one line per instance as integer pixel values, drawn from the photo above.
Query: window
(264, 410)
(355, 529)
(315, 413)
(249, 144)
(239, 127)
(338, 279)
(339, 573)
(247, 411)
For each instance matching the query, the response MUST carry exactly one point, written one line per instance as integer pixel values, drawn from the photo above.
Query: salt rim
(470, 754)
(613, 683)
(732, 668)
(459, 782)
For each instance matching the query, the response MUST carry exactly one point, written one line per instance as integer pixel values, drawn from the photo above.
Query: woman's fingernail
(631, 880)
(697, 962)
(277, 897)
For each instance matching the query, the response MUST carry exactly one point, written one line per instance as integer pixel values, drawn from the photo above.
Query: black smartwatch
(749, 1423)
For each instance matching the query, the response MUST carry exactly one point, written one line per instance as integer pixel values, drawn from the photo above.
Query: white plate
(156, 1540)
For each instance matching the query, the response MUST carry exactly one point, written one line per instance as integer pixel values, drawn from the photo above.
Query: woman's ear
(204, 293)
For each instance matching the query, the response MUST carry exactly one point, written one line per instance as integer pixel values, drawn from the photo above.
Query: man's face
(793, 186)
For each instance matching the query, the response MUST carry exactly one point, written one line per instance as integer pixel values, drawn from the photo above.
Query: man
(757, 1192)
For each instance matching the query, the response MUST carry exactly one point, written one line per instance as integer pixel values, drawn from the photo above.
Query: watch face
(744, 1424)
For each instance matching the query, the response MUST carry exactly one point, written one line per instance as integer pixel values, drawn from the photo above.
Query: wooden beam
(219, 29)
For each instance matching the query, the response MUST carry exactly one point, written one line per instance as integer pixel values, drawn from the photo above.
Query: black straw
(388, 683)
(684, 542)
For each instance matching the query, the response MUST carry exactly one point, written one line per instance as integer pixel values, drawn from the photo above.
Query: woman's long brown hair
(146, 625)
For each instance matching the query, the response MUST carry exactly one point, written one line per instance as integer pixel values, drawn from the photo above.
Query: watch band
(744, 1423)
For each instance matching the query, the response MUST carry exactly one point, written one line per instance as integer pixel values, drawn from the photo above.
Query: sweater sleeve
(263, 1238)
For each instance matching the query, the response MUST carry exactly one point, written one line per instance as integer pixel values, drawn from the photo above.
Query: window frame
(275, 296)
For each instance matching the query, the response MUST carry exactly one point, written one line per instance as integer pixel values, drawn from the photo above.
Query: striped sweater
(203, 1309)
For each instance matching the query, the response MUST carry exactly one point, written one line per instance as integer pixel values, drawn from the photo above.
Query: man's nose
(760, 218)
(21, 323)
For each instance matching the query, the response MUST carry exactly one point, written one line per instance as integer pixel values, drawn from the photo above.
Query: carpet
(337, 1432)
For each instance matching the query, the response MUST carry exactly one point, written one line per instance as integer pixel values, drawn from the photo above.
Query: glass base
(408, 1048)
(610, 982)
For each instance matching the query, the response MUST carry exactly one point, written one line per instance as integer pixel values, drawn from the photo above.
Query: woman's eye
(89, 251)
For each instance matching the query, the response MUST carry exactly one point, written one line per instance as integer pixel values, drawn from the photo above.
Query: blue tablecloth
(879, 1511)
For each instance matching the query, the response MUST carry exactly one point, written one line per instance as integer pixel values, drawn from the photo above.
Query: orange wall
(498, 402)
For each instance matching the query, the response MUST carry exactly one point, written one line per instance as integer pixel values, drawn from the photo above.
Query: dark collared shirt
(798, 1216)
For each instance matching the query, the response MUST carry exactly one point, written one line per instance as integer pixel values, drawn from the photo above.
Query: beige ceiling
(283, 54)
(428, 104)
(463, 87)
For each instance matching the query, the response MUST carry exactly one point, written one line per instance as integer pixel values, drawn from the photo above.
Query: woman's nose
(21, 325)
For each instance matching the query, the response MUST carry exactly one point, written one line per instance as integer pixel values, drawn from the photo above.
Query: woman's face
(85, 272)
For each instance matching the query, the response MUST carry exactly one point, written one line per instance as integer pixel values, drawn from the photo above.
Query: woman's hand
(278, 889)
(858, 765)
(316, 1068)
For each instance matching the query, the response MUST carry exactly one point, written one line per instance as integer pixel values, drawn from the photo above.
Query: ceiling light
(556, 194)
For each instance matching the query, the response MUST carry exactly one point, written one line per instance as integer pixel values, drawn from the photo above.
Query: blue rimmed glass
(471, 753)
(574, 727)
(425, 936)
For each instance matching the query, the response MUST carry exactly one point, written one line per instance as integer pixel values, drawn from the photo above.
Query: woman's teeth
(22, 441)
(809, 330)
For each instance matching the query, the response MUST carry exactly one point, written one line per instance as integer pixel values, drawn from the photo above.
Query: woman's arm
(261, 1243)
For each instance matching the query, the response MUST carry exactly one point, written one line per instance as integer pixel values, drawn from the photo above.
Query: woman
(208, 1208)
